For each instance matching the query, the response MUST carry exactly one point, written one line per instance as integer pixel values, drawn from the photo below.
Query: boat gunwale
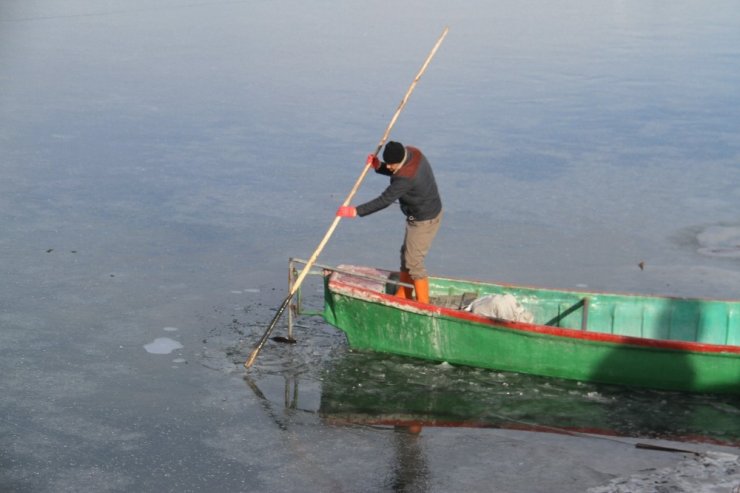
(594, 292)
(367, 294)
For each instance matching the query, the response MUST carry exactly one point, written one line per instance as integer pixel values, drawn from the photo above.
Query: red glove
(346, 211)
(373, 161)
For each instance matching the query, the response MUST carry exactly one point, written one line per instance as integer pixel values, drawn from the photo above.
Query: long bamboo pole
(330, 232)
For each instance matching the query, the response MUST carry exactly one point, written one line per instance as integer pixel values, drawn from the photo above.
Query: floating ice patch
(597, 397)
(170, 329)
(720, 241)
(162, 345)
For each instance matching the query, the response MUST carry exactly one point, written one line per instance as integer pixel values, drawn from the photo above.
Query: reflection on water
(365, 388)
(410, 471)
(403, 397)
(406, 465)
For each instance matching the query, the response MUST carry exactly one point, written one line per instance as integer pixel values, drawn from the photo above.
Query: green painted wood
(379, 324)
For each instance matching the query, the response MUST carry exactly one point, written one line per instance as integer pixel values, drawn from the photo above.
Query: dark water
(161, 161)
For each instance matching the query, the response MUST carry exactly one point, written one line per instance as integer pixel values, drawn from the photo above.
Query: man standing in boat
(413, 185)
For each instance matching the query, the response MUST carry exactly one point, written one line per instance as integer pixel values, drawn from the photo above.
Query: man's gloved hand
(346, 211)
(373, 161)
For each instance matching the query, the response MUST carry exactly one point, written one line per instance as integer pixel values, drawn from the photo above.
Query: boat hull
(375, 321)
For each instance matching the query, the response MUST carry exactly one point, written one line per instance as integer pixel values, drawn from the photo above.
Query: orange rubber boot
(422, 290)
(403, 291)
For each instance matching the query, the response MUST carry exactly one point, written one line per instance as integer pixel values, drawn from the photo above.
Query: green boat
(634, 340)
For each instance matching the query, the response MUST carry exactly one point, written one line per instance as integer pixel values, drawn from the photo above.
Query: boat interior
(679, 319)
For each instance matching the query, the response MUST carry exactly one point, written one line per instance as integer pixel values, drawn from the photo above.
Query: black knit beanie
(393, 153)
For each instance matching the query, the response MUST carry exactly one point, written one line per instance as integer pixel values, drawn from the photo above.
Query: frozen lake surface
(161, 161)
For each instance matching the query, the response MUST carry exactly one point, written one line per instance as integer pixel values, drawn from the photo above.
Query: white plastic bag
(502, 306)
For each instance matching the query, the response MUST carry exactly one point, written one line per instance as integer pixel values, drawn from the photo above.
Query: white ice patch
(595, 396)
(162, 345)
(720, 241)
(707, 472)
